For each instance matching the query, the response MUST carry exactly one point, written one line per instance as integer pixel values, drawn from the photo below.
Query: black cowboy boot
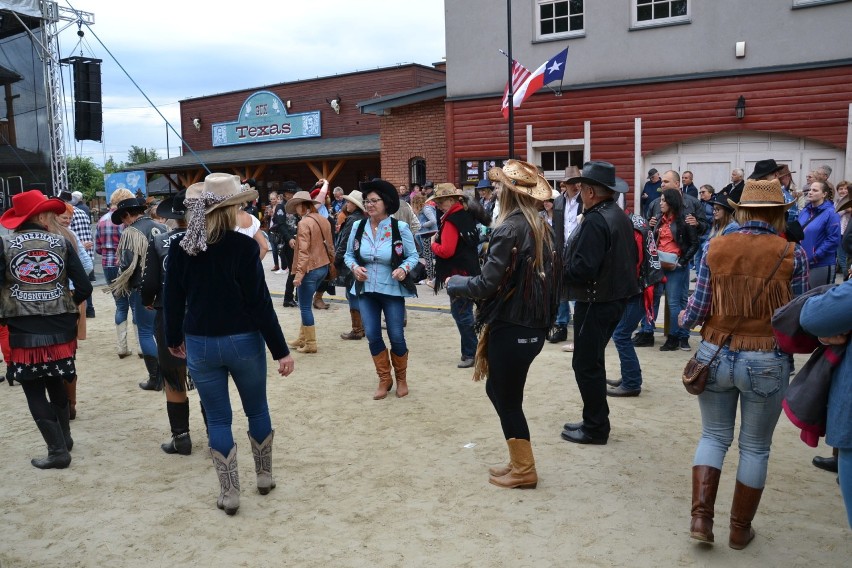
(57, 453)
(180, 443)
(155, 378)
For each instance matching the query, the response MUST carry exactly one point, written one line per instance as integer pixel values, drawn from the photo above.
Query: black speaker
(88, 112)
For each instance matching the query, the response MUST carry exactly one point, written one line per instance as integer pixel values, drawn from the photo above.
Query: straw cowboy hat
(522, 177)
(29, 204)
(222, 190)
(444, 190)
(600, 173)
(357, 198)
(761, 193)
(300, 197)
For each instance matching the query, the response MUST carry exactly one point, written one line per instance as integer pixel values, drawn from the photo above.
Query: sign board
(263, 118)
(134, 181)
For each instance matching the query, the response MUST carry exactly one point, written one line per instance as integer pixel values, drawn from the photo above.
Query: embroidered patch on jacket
(37, 266)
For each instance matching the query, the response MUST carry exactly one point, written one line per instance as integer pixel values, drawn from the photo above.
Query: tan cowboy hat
(300, 197)
(761, 193)
(222, 190)
(570, 172)
(357, 198)
(554, 195)
(522, 177)
(443, 190)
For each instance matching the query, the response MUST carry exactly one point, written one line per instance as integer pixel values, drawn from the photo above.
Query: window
(417, 171)
(554, 162)
(557, 20)
(660, 12)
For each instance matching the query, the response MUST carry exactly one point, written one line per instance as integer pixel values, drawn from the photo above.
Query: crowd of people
(520, 261)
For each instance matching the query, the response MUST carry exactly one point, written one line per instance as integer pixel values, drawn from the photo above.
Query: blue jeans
(462, 311)
(353, 301)
(631, 372)
(758, 381)
(563, 313)
(648, 325)
(372, 305)
(122, 303)
(144, 319)
(677, 293)
(209, 360)
(310, 284)
(844, 471)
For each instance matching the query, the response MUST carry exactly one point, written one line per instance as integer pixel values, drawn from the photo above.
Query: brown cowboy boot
(743, 509)
(400, 369)
(383, 370)
(357, 326)
(522, 475)
(310, 345)
(705, 483)
(300, 342)
(318, 303)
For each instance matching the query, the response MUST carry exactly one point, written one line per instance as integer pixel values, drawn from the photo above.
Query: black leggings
(37, 392)
(511, 351)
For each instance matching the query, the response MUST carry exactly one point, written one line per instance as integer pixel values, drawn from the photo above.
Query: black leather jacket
(515, 300)
(154, 274)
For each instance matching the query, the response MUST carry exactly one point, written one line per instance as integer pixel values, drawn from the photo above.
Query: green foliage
(84, 176)
(137, 155)
(111, 166)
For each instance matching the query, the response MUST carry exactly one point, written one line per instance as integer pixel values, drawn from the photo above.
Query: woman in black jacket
(354, 207)
(517, 295)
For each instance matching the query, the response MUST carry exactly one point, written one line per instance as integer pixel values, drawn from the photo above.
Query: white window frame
(634, 16)
(561, 35)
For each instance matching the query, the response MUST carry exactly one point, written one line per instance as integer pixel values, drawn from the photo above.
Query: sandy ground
(398, 482)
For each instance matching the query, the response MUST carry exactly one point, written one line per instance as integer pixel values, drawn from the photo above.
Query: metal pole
(511, 86)
(167, 141)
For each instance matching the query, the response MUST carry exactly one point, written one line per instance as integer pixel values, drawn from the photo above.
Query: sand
(398, 482)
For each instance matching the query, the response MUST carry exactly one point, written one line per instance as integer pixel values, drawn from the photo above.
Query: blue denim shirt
(376, 253)
(826, 315)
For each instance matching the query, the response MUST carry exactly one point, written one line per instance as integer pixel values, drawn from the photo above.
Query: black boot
(180, 443)
(557, 333)
(63, 416)
(155, 379)
(57, 454)
(671, 344)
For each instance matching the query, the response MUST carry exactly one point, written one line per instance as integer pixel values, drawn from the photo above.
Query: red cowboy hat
(29, 204)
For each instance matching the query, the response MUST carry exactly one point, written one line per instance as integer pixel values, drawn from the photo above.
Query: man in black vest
(600, 265)
(566, 211)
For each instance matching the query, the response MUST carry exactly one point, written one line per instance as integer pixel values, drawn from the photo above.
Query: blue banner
(134, 181)
(263, 118)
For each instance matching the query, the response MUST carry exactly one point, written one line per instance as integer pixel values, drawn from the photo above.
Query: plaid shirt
(699, 305)
(81, 225)
(107, 236)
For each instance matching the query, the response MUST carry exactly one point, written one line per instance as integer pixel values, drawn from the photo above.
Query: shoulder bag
(332, 270)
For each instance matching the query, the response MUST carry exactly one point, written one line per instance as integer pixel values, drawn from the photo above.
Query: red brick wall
(411, 131)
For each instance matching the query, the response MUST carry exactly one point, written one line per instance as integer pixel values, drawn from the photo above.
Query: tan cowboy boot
(522, 475)
(383, 370)
(300, 342)
(318, 303)
(357, 326)
(310, 345)
(400, 369)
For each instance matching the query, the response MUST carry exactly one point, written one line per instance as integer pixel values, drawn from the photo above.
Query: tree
(111, 166)
(84, 176)
(137, 155)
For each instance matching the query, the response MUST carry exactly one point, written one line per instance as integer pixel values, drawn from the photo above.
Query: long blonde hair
(775, 216)
(510, 201)
(220, 220)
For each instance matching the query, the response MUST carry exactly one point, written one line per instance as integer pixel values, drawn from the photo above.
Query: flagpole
(511, 85)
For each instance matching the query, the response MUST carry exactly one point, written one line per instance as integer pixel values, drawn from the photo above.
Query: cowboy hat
(357, 198)
(600, 173)
(844, 203)
(652, 172)
(764, 168)
(570, 171)
(443, 190)
(522, 177)
(720, 200)
(29, 204)
(172, 207)
(222, 190)
(300, 197)
(132, 205)
(554, 194)
(290, 187)
(386, 191)
(484, 183)
(784, 170)
(761, 193)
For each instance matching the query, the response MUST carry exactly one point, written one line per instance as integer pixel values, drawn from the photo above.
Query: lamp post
(740, 108)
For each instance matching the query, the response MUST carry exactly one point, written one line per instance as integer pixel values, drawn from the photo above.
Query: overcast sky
(179, 49)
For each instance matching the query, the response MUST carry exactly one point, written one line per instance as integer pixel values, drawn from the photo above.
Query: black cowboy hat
(132, 205)
(722, 201)
(290, 186)
(172, 207)
(763, 168)
(386, 191)
(600, 173)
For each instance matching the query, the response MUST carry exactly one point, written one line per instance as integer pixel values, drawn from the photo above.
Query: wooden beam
(314, 169)
(336, 170)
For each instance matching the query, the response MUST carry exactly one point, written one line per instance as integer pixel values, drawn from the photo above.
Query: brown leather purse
(695, 373)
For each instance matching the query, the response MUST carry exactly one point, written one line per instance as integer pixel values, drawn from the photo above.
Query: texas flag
(551, 70)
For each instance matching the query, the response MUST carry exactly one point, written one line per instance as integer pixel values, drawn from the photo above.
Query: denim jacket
(826, 315)
(376, 253)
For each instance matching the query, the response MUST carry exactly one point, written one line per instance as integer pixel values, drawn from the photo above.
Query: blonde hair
(120, 195)
(418, 202)
(511, 200)
(775, 216)
(52, 224)
(220, 220)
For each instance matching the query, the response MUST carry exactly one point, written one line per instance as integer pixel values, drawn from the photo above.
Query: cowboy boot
(705, 483)
(181, 443)
(121, 340)
(743, 509)
(400, 368)
(155, 379)
(383, 370)
(63, 417)
(522, 475)
(310, 345)
(71, 392)
(300, 342)
(229, 480)
(318, 303)
(262, 453)
(135, 332)
(357, 326)
(57, 453)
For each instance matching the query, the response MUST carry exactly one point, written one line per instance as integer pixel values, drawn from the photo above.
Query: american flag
(519, 75)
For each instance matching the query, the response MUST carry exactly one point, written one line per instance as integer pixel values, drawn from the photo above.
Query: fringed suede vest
(739, 267)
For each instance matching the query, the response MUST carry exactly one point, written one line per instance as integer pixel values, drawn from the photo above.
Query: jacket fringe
(43, 354)
(134, 241)
(480, 368)
(738, 342)
(748, 296)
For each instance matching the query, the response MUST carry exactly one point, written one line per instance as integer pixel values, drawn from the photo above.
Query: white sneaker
(281, 271)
